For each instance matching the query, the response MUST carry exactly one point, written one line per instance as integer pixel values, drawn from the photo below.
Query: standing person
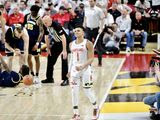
(82, 55)
(59, 46)
(34, 26)
(124, 25)
(16, 43)
(93, 22)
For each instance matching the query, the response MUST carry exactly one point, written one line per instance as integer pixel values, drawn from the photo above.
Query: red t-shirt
(61, 18)
(15, 18)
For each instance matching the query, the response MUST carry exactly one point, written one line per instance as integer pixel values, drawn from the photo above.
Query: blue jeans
(150, 100)
(131, 39)
(128, 37)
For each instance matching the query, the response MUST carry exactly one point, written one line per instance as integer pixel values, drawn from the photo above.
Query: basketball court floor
(120, 85)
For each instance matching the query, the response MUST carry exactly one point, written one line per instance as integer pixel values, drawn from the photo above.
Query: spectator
(124, 24)
(79, 17)
(151, 100)
(24, 8)
(124, 5)
(16, 17)
(138, 28)
(102, 4)
(155, 3)
(7, 6)
(114, 11)
(47, 11)
(62, 16)
(108, 20)
(39, 3)
(4, 13)
(142, 6)
(52, 9)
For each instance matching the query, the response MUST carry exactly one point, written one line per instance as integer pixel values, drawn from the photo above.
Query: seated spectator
(114, 11)
(62, 17)
(47, 11)
(156, 3)
(142, 6)
(24, 7)
(52, 9)
(151, 100)
(108, 20)
(7, 6)
(102, 4)
(41, 10)
(138, 28)
(16, 17)
(79, 16)
(124, 5)
(124, 25)
(4, 13)
(154, 13)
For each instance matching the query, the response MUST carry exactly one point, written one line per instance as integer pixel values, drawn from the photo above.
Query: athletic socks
(32, 73)
(95, 105)
(75, 110)
(37, 74)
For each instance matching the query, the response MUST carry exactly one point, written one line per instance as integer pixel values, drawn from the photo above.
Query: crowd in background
(117, 15)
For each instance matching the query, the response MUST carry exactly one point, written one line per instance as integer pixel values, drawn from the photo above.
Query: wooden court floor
(53, 102)
(132, 84)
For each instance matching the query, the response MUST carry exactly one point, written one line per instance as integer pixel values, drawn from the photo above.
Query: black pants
(51, 61)
(91, 33)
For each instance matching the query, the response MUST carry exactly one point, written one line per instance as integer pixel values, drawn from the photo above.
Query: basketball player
(34, 26)
(10, 78)
(82, 55)
(16, 43)
(2, 31)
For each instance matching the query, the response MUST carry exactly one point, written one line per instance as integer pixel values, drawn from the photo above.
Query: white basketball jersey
(79, 53)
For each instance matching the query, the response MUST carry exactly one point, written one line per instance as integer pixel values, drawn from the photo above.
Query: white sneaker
(128, 50)
(37, 82)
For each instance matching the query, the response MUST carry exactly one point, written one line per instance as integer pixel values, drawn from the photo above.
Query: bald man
(56, 44)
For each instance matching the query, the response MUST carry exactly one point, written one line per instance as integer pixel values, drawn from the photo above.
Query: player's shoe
(76, 117)
(37, 82)
(95, 114)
